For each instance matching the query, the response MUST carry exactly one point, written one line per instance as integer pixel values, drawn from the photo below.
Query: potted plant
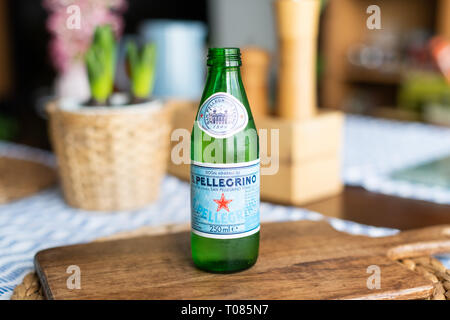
(112, 149)
(71, 25)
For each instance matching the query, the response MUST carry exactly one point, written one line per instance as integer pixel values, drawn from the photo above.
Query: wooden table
(357, 204)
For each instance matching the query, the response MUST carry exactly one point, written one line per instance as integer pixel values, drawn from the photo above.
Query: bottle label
(222, 115)
(225, 199)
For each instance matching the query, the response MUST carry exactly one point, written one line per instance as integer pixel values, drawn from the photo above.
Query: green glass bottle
(225, 180)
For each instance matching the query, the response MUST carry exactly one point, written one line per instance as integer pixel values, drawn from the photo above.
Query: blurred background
(28, 69)
(357, 93)
(389, 72)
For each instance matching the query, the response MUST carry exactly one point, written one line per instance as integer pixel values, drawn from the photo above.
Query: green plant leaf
(142, 69)
(100, 62)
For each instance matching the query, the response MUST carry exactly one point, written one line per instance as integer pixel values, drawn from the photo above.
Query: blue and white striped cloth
(372, 148)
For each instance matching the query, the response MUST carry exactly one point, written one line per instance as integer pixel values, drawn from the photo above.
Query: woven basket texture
(110, 160)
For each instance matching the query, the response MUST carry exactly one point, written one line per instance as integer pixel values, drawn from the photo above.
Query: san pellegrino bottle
(225, 181)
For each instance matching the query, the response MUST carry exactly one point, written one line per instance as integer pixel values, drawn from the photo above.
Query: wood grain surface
(376, 209)
(298, 260)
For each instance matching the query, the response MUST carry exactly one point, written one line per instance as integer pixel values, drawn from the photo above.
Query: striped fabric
(44, 220)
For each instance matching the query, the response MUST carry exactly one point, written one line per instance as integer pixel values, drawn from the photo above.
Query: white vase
(73, 83)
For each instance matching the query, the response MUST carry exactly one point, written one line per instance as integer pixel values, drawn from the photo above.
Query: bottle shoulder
(224, 130)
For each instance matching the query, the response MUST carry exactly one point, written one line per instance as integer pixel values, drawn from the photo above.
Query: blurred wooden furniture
(308, 156)
(344, 24)
(362, 206)
(23, 178)
(255, 76)
(298, 25)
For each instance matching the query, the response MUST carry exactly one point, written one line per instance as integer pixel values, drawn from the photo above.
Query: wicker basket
(110, 159)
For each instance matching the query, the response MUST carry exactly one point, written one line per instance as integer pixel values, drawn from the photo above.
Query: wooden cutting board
(298, 260)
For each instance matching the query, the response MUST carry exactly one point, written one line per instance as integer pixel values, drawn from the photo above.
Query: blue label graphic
(225, 200)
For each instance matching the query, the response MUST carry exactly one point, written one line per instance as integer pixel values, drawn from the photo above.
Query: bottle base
(224, 256)
(225, 266)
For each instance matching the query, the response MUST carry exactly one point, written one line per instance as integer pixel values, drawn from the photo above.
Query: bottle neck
(223, 73)
(223, 79)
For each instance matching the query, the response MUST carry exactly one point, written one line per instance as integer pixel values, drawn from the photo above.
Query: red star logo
(201, 115)
(222, 203)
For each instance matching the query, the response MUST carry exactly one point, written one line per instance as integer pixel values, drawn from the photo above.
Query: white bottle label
(222, 115)
(225, 199)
